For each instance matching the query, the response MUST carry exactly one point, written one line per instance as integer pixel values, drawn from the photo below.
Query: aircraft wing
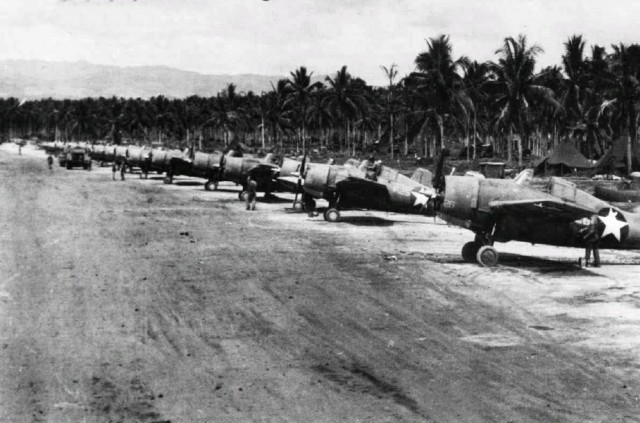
(361, 192)
(542, 208)
(289, 182)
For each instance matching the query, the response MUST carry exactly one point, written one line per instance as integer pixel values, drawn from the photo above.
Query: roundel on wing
(611, 223)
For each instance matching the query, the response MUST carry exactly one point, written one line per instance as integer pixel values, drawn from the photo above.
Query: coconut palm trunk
(391, 133)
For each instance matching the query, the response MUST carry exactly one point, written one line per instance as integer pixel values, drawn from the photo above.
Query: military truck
(75, 157)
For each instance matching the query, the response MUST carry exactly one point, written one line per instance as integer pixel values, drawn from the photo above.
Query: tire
(68, 166)
(470, 251)
(207, 185)
(332, 215)
(243, 195)
(167, 180)
(297, 205)
(487, 256)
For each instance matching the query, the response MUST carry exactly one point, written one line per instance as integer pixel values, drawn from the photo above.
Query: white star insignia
(612, 225)
(421, 199)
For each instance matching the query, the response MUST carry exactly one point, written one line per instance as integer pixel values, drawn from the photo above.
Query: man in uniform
(252, 187)
(114, 169)
(50, 161)
(591, 238)
(123, 166)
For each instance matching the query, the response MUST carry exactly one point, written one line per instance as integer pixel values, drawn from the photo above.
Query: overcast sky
(275, 37)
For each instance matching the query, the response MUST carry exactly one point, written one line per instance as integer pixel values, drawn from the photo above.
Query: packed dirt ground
(137, 301)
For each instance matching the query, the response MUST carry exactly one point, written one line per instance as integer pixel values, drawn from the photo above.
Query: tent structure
(565, 158)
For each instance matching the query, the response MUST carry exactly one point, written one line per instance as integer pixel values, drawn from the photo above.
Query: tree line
(591, 99)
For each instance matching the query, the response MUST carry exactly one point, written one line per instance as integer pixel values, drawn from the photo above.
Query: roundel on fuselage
(611, 223)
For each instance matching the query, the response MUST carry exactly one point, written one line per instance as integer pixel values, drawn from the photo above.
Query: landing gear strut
(332, 214)
(481, 250)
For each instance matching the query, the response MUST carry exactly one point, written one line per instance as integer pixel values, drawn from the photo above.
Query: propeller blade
(438, 178)
(303, 166)
(301, 175)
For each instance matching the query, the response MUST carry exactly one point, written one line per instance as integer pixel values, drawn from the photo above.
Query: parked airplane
(217, 167)
(361, 186)
(502, 210)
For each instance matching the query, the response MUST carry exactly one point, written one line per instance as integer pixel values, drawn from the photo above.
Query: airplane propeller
(301, 175)
(223, 161)
(438, 183)
(438, 178)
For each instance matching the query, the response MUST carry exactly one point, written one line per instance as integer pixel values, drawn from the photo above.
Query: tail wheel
(332, 215)
(168, 180)
(487, 256)
(470, 251)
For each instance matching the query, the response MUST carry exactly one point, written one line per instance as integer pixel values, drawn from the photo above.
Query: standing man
(50, 161)
(114, 169)
(252, 187)
(591, 238)
(123, 166)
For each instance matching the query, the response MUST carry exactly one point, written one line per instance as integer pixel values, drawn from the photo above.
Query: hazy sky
(274, 37)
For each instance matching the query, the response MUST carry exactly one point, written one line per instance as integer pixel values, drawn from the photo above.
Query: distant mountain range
(33, 79)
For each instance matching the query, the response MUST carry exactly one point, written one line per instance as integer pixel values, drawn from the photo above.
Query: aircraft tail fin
(524, 177)
(423, 176)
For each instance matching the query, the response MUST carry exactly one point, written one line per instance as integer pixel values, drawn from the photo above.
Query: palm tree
(300, 92)
(345, 99)
(275, 111)
(474, 80)
(391, 72)
(625, 66)
(517, 87)
(438, 88)
(228, 113)
(574, 66)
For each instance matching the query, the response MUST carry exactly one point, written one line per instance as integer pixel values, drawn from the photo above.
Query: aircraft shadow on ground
(366, 221)
(273, 199)
(516, 261)
(187, 183)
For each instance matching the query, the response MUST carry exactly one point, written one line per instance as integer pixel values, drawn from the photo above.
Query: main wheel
(487, 256)
(167, 180)
(68, 165)
(243, 195)
(332, 215)
(297, 205)
(470, 251)
(207, 185)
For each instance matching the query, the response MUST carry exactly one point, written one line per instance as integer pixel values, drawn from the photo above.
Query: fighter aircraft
(362, 186)
(502, 210)
(217, 167)
(139, 157)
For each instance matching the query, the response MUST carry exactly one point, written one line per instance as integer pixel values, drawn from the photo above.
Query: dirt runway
(136, 301)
